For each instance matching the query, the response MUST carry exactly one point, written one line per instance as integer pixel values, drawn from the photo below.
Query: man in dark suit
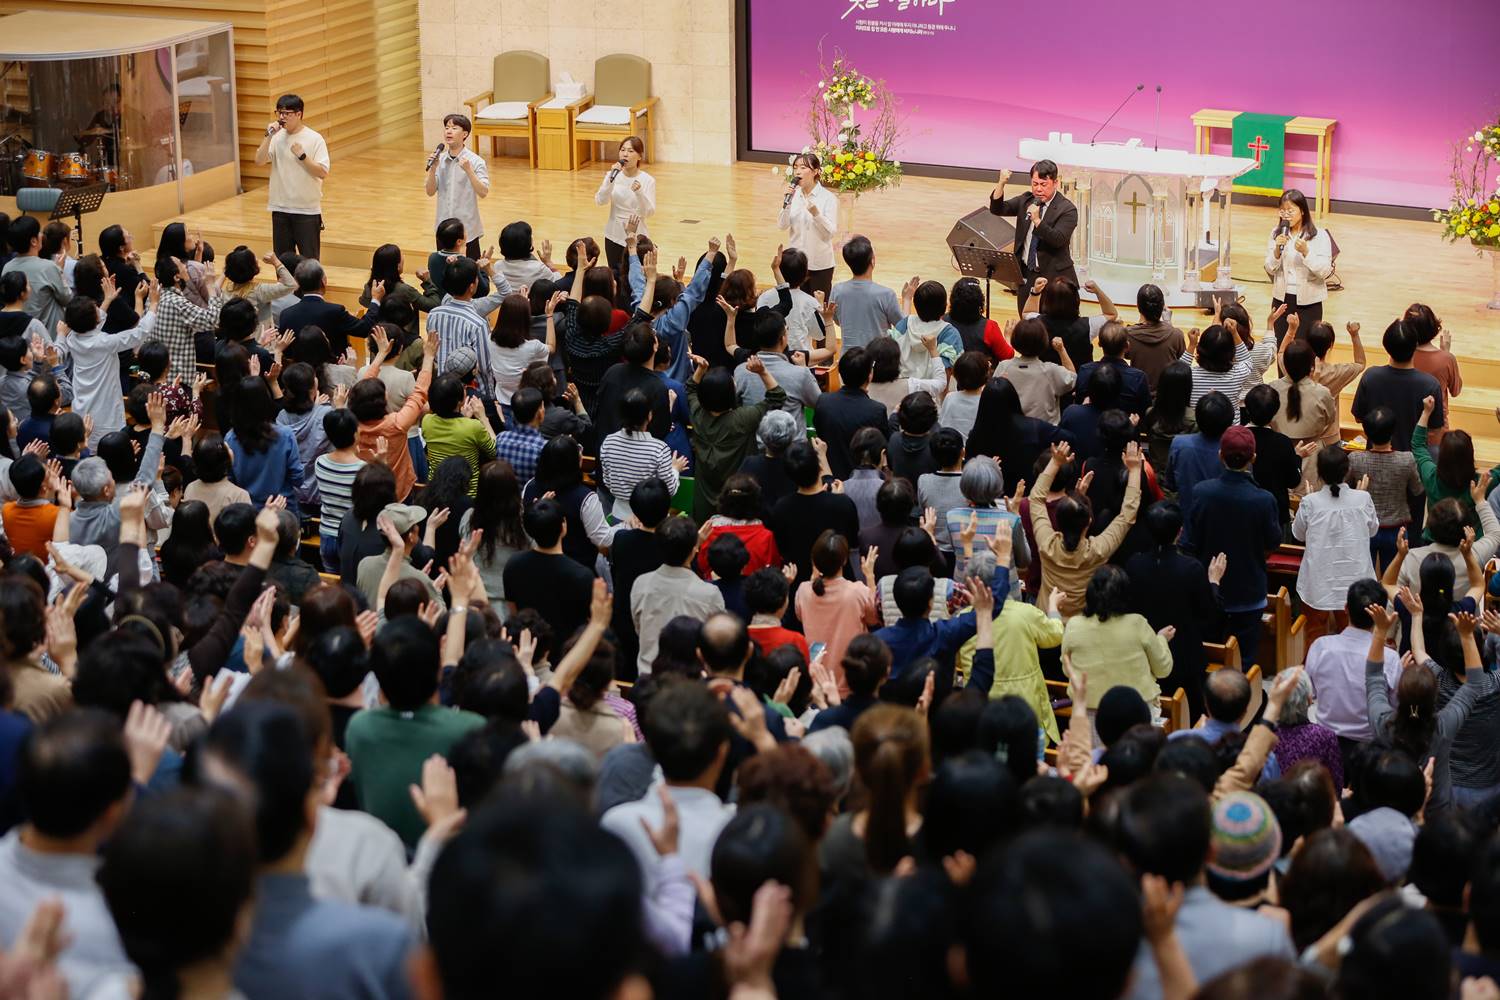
(1046, 225)
(838, 415)
(330, 317)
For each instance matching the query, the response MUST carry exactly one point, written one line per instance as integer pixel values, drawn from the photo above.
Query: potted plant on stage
(1474, 214)
(857, 156)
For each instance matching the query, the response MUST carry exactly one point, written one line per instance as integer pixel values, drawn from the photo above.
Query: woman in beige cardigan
(1068, 554)
(1309, 413)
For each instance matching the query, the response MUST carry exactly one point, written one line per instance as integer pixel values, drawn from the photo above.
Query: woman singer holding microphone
(810, 212)
(628, 190)
(1299, 259)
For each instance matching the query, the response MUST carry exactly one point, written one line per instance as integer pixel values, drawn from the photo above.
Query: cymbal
(98, 132)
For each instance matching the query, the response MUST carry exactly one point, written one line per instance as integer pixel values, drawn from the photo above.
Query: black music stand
(976, 261)
(74, 202)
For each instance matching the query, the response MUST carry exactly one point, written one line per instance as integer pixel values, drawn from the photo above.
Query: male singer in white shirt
(459, 178)
(299, 162)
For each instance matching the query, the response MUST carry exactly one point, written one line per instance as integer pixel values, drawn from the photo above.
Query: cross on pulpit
(1258, 147)
(1136, 205)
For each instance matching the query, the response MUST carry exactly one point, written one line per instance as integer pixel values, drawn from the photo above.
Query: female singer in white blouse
(628, 190)
(1299, 259)
(811, 213)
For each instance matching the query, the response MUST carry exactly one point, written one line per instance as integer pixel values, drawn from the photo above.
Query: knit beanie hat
(1246, 837)
(1119, 709)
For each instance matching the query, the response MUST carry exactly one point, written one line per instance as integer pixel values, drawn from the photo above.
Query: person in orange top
(767, 594)
(28, 521)
(382, 435)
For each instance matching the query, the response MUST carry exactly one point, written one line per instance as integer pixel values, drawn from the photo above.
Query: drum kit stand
(23, 165)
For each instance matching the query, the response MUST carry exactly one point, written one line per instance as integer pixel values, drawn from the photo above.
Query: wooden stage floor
(376, 197)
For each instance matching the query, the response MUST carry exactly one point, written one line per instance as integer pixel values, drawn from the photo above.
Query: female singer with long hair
(1299, 259)
(627, 190)
(810, 214)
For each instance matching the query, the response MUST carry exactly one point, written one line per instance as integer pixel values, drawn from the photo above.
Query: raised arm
(600, 608)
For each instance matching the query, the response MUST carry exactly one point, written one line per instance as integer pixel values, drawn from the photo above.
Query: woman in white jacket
(1299, 259)
(627, 190)
(810, 214)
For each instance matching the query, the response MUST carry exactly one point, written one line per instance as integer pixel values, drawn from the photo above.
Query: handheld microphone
(435, 154)
(1138, 88)
(791, 189)
(616, 172)
(1156, 141)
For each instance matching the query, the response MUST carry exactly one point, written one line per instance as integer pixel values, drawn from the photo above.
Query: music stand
(985, 262)
(75, 202)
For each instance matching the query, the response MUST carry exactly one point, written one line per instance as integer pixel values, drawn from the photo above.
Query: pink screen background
(1403, 80)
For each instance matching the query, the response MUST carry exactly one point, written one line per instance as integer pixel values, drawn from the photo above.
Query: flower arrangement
(1474, 213)
(856, 157)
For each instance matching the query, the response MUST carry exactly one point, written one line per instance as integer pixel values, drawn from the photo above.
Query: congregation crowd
(656, 626)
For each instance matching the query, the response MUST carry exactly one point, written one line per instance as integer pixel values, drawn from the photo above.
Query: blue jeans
(1473, 798)
(328, 548)
(418, 451)
(1383, 546)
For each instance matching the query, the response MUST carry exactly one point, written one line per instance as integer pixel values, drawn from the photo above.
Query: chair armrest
(533, 105)
(636, 109)
(479, 101)
(582, 104)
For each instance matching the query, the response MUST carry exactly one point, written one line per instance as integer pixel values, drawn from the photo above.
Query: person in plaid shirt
(521, 445)
(177, 318)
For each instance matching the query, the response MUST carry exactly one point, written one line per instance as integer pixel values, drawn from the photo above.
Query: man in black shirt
(1278, 465)
(559, 588)
(837, 415)
(799, 519)
(633, 553)
(1399, 386)
(635, 372)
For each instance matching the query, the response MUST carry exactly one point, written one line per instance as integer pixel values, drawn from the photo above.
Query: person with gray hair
(778, 430)
(96, 520)
(1302, 739)
(330, 317)
(983, 489)
(835, 749)
(562, 758)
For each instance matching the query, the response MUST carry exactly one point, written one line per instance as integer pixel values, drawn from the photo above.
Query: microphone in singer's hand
(616, 172)
(791, 189)
(435, 154)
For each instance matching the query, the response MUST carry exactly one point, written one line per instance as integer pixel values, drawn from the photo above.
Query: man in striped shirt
(459, 321)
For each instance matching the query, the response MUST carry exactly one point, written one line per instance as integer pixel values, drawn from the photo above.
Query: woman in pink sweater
(834, 610)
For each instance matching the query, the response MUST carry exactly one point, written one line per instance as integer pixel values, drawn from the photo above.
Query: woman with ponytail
(1452, 473)
(1336, 524)
(1308, 412)
(891, 759)
(1068, 553)
(833, 608)
(1415, 724)
(1171, 588)
(179, 879)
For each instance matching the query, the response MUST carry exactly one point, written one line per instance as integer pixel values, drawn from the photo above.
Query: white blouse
(624, 201)
(812, 234)
(1337, 532)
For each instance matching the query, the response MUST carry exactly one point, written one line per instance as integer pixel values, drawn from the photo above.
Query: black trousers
(1306, 315)
(472, 250)
(293, 232)
(820, 280)
(614, 254)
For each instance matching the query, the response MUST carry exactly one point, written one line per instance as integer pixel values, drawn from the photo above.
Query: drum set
(25, 165)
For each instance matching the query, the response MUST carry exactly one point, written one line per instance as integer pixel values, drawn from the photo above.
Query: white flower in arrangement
(896, 164)
(820, 84)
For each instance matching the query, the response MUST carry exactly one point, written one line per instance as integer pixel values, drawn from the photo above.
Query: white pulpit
(1136, 216)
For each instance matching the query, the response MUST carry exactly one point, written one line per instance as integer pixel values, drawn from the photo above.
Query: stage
(376, 197)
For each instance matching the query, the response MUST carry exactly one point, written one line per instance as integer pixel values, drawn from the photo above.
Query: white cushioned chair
(508, 109)
(622, 104)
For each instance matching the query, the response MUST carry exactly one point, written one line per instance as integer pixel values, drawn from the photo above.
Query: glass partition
(205, 102)
(75, 122)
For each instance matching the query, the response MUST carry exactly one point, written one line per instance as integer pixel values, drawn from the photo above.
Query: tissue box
(570, 89)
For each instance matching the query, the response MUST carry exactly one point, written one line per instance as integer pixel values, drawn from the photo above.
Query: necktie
(1031, 249)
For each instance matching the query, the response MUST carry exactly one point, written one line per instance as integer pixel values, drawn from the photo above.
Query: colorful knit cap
(1246, 837)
